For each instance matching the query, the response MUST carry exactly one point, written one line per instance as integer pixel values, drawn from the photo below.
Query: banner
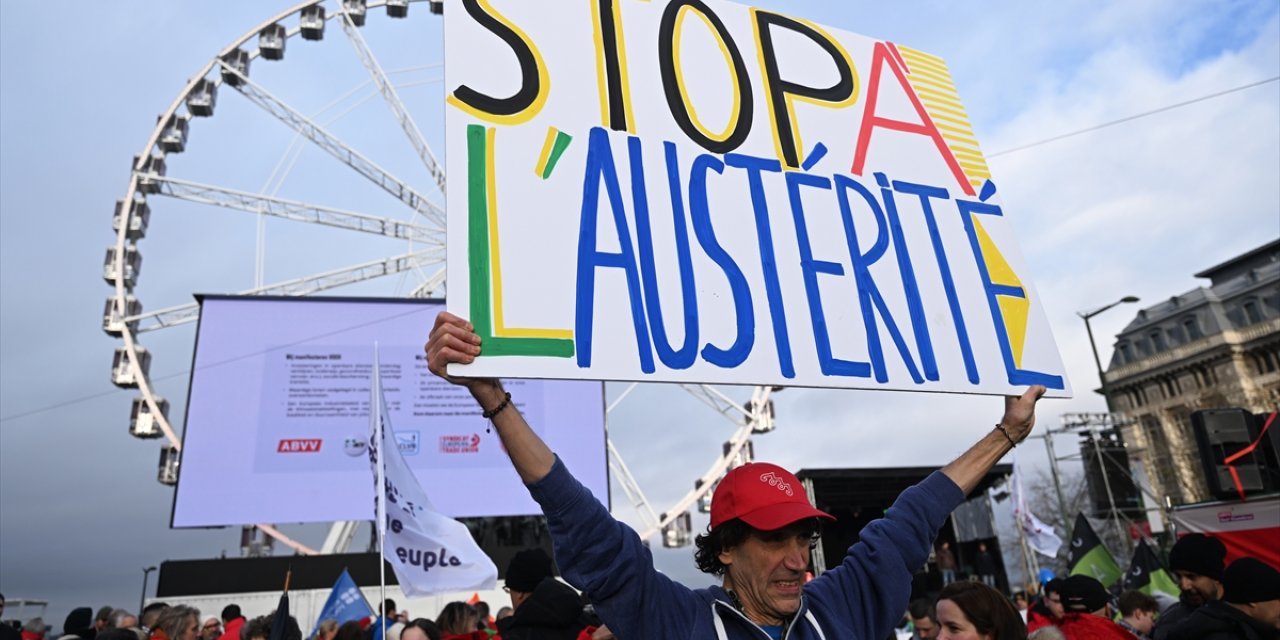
(1087, 555)
(1248, 528)
(1040, 536)
(345, 603)
(702, 191)
(430, 553)
(1147, 575)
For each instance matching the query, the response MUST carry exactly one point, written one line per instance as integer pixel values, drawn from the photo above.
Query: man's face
(1143, 621)
(767, 570)
(1198, 589)
(926, 629)
(211, 629)
(128, 622)
(1054, 602)
(518, 598)
(1267, 613)
(190, 629)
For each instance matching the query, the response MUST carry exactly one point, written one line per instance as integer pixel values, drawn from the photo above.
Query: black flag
(1147, 575)
(281, 618)
(1087, 555)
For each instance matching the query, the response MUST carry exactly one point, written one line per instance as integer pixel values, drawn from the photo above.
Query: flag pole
(375, 408)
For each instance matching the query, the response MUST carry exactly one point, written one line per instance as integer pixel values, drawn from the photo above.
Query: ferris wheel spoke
(392, 98)
(430, 285)
(295, 210)
(337, 148)
(717, 400)
(306, 285)
(632, 488)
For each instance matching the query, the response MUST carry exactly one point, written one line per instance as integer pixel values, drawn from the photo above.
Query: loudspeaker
(1220, 434)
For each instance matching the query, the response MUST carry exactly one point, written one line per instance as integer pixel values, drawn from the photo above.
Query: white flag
(429, 552)
(1040, 536)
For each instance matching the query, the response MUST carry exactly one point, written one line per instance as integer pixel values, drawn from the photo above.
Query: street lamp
(146, 573)
(1102, 378)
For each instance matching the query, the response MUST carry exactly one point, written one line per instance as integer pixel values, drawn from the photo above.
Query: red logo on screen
(460, 444)
(299, 445)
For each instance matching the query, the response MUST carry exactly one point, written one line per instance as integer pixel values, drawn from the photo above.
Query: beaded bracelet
(1000, 428)
(488, 415)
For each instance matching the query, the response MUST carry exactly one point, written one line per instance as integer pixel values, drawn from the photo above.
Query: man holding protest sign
(762, 531)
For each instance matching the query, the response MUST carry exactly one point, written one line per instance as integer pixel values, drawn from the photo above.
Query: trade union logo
(460, 443)
(299, 445)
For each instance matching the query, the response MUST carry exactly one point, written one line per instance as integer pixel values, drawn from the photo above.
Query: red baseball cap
(762, 495)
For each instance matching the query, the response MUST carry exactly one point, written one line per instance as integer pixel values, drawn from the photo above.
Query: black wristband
(1000, 428)
(490, 413)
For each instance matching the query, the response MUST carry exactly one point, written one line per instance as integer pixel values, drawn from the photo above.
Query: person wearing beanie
(1087, 611)
(78, 625)
(545, 608)
(1249, 609)
(1197, 562)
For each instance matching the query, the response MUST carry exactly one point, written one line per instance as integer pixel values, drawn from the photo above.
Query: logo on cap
(775, 481)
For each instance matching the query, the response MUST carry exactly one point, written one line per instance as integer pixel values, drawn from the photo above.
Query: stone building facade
(1215, 346)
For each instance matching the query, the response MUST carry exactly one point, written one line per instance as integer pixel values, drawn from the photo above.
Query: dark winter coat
(1221, 621)
(552, 612)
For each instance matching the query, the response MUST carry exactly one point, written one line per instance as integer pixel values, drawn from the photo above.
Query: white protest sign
(704, 191)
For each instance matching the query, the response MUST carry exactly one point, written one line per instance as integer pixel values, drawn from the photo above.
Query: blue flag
(345, 603)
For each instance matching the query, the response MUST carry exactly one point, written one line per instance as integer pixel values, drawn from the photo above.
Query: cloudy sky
(1130, 209)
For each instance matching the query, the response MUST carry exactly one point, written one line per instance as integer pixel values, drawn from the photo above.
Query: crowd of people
(758, 547)
(1219, 601)
(763, 528)
(542, 608)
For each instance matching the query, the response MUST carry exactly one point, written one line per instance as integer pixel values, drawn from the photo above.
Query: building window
(1126, 352)
(1157, 340)
(1252, 314)
(1192, 326)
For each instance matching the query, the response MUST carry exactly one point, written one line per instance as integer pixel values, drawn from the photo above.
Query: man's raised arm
(454, 340)
(1019, 416)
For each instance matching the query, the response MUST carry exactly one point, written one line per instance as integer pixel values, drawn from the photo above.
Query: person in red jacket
(1088, 611)
(1047, 611)
(232, 622)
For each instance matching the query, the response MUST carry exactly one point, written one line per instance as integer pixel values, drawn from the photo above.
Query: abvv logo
(299, 445)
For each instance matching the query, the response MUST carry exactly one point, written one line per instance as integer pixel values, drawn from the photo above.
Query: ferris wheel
(401, 253)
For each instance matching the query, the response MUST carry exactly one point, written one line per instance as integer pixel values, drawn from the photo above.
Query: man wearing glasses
(211, 629)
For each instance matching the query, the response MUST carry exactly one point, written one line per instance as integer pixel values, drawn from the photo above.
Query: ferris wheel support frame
(748, 422)
(392, 98)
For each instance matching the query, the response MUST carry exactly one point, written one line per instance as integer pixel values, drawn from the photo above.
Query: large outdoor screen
(277, 418)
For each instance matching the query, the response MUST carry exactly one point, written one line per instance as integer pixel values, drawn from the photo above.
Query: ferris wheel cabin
(152, 166)
(203, 96)
(142, 423)
(237, 60)
(137, 213)
(311, 22)
(356, 11)
(123, 375)
(132, 265)
(173, 139)
(271, 41)
(114, 323)
(169, 460)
